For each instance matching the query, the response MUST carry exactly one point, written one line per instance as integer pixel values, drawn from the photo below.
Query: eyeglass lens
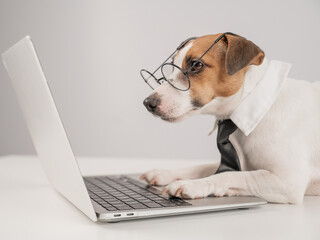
(175, 76)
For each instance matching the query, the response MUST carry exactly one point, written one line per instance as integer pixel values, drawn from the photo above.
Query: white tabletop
(31, 209)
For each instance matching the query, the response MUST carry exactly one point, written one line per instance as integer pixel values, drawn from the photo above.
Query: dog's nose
(151, 102)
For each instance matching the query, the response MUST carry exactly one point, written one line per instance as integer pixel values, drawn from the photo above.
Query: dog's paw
(188, 189)
(159, 177)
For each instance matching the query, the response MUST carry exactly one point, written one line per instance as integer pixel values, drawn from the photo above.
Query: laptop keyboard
(123, 193)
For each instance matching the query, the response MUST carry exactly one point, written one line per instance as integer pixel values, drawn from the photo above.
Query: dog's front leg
(161, 177)
(260, 183)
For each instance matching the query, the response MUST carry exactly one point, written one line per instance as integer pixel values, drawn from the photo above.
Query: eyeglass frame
(184, 72)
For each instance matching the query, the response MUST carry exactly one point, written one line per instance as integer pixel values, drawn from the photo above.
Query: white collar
(261, 87)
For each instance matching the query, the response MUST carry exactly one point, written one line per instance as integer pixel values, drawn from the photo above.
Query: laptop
(110, 198)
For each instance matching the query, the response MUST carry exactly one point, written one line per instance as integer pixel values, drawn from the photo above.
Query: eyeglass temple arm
(217, 40)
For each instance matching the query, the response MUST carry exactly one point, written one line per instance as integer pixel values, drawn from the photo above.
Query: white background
(92, 51)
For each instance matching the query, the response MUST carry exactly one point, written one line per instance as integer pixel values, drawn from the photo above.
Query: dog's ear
(241, 53)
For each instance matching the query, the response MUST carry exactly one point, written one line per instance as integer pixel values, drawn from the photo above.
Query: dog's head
(220, 73)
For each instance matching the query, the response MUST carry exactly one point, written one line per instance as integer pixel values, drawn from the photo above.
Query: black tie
(229, 157)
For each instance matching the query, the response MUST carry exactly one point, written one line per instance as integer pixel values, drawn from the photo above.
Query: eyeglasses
(173, 74)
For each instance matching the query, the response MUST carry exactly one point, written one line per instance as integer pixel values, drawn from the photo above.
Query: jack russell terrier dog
(277, 139)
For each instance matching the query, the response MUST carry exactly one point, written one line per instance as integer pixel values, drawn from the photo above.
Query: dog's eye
(196, 66)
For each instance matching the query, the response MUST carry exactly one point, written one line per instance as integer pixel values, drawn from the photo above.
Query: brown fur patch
(241, 53)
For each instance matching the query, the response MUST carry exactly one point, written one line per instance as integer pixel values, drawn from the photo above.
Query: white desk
(31, 209)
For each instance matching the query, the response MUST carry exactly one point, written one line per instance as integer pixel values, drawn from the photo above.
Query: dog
(278, 120)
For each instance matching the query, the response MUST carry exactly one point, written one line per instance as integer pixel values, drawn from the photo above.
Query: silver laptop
(111, 198)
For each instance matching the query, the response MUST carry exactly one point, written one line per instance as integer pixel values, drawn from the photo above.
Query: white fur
(175, 105)
(280, 158)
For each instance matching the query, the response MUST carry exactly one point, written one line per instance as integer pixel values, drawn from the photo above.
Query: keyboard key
(152, 205)
(156, 198)
(138, 206)
(119, 204)
(142, 191)
(111, 198)
(115, 202)
(128, 200)
(125, 198)
(129, 193)
(167, 204)
(98, 191)
(119, 195)
(104, 194)
(141, 198)
(106, 205)
(149, 195)
(131, 202)
(112, 191)
(126, 191)
(175, 199)
(140, 184)
(179, 202)
(162, 201)
(135, 195)
(145, 200)
(124, 207)
(108, 198)
(111, 209)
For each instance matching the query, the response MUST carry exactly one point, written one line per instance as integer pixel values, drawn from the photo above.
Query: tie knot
(225, 129)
